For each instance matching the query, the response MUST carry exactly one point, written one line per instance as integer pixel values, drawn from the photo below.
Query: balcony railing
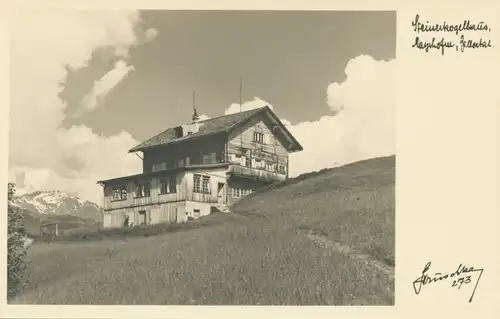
(258, 174)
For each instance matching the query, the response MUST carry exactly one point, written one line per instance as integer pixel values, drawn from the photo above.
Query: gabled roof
(211, 126)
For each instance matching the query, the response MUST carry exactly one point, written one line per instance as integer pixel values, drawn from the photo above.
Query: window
(281, 169)
(159, 167)
(197, 183)
(258, 137)
(147, 189)
(143, 189)
(201, 184)
(209, 158)
(138, 190)
(240, 192)
(205, 187)
(119, 193)
(167, 185)
(269, 166)
(182, 162)
(259, 164)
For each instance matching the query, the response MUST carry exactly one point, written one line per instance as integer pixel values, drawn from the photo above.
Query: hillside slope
(326, 238)
(353, 204)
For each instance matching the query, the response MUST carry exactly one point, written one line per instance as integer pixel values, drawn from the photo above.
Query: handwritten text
(460, 42)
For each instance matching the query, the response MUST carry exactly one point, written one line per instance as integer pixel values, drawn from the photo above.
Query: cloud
(43, 46)
(363, 126)
(150, 34)
(246, 106)
(105, 84)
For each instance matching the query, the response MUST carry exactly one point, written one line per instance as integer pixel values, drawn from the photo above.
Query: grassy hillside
(324, 238)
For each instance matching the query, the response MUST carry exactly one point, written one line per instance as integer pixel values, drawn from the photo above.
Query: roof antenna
(195, 117)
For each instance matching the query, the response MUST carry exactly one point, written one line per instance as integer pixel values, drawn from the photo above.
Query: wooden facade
(269, 154)
(210, 150)
(191, 178)
(130, 200)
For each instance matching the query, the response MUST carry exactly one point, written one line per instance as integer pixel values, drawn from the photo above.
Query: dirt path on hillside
(325, 242)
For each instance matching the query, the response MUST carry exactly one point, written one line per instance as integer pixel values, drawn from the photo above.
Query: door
(172, 215)
(142, 217)
(107, 220)
(221, 193)
(130, 218)
(155, 216)
(196, 213)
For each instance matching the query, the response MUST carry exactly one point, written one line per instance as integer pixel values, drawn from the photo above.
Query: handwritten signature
(461, 276)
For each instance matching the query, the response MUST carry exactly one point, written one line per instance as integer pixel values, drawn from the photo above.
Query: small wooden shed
(49, 229)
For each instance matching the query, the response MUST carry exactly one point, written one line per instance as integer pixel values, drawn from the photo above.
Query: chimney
(195, 117)
(193, 127)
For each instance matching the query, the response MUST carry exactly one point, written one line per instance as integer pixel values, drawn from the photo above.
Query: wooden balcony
(254, 173)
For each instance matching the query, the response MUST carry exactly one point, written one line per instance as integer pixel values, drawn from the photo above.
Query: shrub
(16, 255)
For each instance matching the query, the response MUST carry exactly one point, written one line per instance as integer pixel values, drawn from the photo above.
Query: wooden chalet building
(194, 169)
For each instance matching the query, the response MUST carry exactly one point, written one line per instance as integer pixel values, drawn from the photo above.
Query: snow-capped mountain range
(57, 203)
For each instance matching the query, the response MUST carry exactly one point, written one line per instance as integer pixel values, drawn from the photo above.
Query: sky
(88, 86)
